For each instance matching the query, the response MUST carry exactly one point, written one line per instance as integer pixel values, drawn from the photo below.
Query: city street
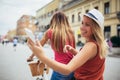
(13, 65)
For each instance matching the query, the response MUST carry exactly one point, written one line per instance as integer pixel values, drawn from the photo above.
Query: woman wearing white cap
(89, 62)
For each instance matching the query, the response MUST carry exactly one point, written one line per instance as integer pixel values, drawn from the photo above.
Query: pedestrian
(89, 62)
(15, 43)
(3, 42)
(59, 34)
(109, 44)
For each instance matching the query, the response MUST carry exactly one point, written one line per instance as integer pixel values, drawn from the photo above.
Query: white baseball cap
(96, 16)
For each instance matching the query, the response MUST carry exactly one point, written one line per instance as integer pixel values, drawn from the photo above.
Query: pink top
(60, 57)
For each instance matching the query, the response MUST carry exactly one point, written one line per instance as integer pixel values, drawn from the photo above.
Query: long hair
(61, 32)
(99, 38)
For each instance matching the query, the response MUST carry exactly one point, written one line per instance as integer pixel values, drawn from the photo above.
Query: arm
(44, 39)
(87, 52)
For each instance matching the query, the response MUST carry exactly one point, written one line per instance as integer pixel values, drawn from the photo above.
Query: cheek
(90, 32)
(82, 28)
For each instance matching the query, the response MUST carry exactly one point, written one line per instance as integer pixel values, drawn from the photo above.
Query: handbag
(37, 68)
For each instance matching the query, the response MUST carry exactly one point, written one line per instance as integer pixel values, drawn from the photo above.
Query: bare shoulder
(90, 48)
(91, 45)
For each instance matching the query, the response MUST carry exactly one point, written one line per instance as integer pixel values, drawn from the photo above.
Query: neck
(89, 39)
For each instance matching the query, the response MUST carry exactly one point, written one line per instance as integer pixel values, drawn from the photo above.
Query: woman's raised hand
(67, 48)
(35, 47)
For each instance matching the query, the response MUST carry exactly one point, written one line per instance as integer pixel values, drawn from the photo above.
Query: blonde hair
(99, 38)
(61, 32)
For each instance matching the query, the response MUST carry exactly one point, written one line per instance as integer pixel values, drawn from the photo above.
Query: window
(23, 19)
(49, 14)
(56, 9)
(96, 7)
(86, 11)
(107, 8)
(107, 30)
(52, 12)
(118, 30)
(79, 18)
(44, 15)
(73, 18)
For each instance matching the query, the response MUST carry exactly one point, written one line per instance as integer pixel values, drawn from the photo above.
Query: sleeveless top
(91, 70)
(60, 57)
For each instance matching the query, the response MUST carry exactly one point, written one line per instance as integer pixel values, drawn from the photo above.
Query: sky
(12, 10)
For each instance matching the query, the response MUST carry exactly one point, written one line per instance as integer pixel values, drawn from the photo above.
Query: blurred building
(26, 21)
(11, 34)
(44, 14)
(110, 9)
(74, 9)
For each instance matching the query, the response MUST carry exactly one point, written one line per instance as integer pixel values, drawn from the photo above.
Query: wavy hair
(99, 38)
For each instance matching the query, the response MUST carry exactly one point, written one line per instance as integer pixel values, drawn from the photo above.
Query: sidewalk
(110, 54)
(112, 66)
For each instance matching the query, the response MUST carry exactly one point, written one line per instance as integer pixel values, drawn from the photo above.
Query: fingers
(38, 43)
(69, 48)
(29, 46)
(65, 49)
(30, 43)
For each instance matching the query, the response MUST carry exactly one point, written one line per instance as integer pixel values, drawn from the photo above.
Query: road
(13, 65)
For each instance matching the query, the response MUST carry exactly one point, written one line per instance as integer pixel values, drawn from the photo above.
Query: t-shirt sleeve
(49, 33)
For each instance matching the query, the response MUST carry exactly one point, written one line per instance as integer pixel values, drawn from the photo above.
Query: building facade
(74, 9)
(44, 14)
(110, 9)
(11, 34)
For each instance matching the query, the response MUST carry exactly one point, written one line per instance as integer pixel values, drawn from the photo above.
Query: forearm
(57, 66)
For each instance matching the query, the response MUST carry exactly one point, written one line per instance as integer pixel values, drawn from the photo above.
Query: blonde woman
(59, 34)
(89, 62)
